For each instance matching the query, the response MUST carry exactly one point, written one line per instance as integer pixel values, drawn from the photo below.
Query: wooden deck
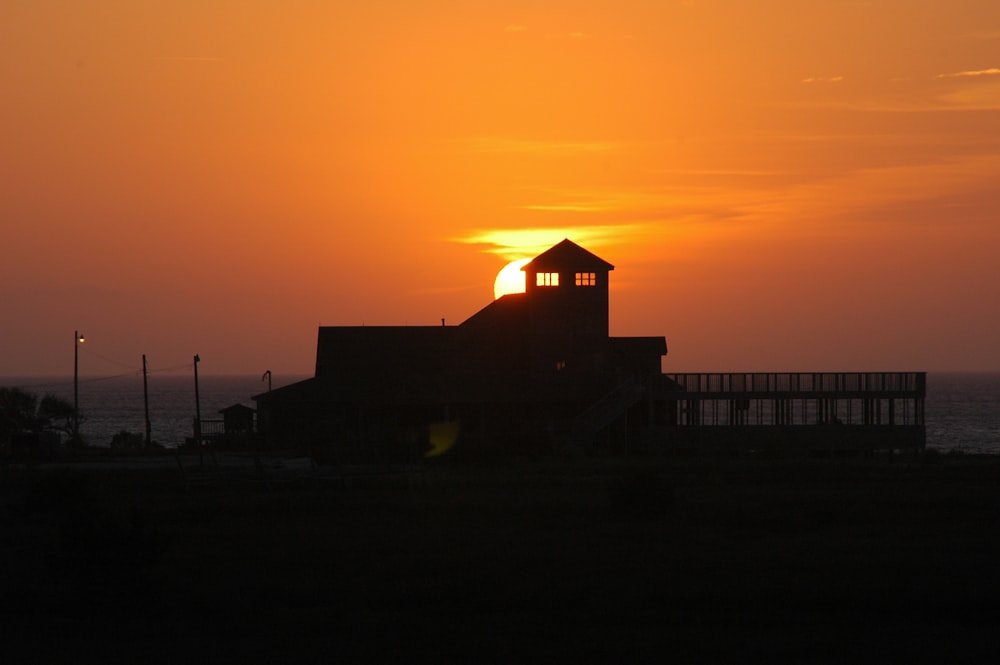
(828, 410)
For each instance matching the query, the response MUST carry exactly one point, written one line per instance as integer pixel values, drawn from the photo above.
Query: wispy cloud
(854, 191)
(823, 79)
(445, 290)
(512, 244)
(984, 96)
(749, 173)
(515, 27)
(992, 71)
(500, 144)
(568, 207)
(957, 92)
(984, 35)
(186, 58)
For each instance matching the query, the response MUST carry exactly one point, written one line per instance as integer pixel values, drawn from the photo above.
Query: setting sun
(510, 279)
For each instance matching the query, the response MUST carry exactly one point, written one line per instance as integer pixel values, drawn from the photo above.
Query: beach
(679, 559)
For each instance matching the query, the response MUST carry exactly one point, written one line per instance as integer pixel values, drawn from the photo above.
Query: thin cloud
(617, 207)
(445, 290)
(984, 35)
(725, 172)
(822, 79)
(501, 144)
(982, 96)
(992, 71)
(515, 27)
(186, 58)
(567, 207)
(511, 244)
(576, 36)
(854, 190)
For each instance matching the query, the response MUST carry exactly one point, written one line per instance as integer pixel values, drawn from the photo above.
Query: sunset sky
(782, 185)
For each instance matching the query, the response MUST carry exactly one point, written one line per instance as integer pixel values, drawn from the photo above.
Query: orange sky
(781, 185)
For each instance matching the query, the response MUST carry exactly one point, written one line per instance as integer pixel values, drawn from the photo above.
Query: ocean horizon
(109, 405)
(962, 408)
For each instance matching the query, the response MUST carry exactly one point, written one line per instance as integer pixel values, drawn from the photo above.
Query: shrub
(125, 440)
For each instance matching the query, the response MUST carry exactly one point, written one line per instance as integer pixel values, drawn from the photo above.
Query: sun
(510, 279)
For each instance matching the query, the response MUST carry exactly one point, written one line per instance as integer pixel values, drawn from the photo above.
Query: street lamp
(78, 339)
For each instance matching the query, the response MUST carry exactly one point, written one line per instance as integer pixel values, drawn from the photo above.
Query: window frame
(546, 279)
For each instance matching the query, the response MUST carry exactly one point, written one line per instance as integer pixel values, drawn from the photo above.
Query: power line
(108, 378)
(106, 359)
(57, 384)
(170, 369)
(67, 384)
(133, 372)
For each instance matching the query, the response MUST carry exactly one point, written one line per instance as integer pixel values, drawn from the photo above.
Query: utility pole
(197, 412)
(77, 341)
(145, 401)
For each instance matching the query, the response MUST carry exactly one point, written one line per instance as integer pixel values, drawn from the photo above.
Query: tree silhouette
(23, 413)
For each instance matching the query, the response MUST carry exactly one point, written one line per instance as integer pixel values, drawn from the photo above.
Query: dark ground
(675, 560)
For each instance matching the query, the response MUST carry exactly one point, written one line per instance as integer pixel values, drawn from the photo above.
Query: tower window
(586, 279)
(547, 279)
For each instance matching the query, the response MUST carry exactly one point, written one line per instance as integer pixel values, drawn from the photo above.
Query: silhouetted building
(536, 372)
(530, 371)
(238, 420)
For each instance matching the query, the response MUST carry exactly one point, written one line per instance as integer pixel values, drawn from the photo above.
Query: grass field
(674, 560)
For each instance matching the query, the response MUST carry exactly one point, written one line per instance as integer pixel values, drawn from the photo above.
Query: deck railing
(791, 399)
(706, 383)
(209, 428)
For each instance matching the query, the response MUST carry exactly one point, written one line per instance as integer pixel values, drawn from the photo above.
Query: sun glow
(510, 244)
(510, 279)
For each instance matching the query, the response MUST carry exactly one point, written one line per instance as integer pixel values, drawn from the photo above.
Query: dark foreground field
(688, 561)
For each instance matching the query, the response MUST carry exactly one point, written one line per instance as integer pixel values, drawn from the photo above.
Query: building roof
(567, 254)
(509, 311)
(238, 408)
(367, 350)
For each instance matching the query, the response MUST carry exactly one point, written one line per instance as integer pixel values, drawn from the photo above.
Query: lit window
(560, 365)
(547, 279)
(586, 279)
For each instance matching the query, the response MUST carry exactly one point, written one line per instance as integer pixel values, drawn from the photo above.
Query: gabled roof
(360, 350)
(567, 254)
(508, 311)
(237, 408)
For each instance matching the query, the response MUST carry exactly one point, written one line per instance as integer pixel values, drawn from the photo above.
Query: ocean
(109, 405)
(963, 412)
(963, 409)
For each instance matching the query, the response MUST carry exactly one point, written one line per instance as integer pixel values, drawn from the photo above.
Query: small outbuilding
(238, 420)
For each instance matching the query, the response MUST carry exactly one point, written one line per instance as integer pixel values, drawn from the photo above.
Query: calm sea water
(963, 410)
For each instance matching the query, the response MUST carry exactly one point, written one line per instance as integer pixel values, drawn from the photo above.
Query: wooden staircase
(605, 411)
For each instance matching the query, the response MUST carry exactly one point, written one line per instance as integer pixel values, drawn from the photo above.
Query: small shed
(238, 419)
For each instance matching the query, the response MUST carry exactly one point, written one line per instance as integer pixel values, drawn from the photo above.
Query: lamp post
(78, 339)
(267, 377)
